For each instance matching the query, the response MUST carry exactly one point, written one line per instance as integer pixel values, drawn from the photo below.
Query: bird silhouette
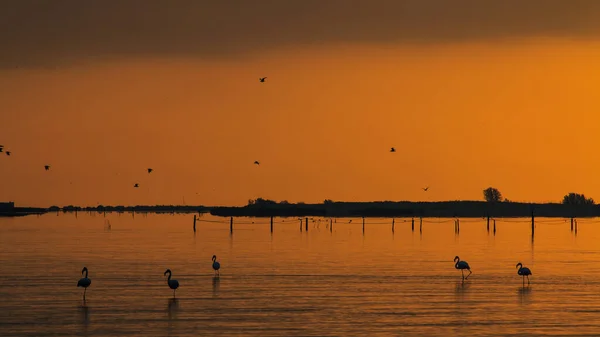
(173, 284)
(47, 167)
(1, 149)
(462, 265)
(150, 170)
(425, 188)
(256, 162)
(262, 79)
(136, 185)
(393, 149)
(8, 153)
(84, 281)
(523, 271)
(216, 265)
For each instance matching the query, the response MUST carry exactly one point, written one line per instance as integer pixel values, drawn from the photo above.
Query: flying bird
(393, 149)
(1, 149)
(8, 153)
(84, 281)
(462, 265)
(256, 162)
(216, 265)
(47, 167)
(523, 271)
(150, 170)
(262, 79)
(136, 185)
(425, 188)
(173, 284)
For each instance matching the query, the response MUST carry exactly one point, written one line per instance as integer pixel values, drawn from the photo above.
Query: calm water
(293, 283)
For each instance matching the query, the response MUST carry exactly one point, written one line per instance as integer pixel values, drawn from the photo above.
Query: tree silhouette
(577, 199)
(492, 194)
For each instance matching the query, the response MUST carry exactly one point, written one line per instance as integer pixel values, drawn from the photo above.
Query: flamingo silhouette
(523, 271)
(462, 265)
(216, 265)
(173, 284)
(84, 281)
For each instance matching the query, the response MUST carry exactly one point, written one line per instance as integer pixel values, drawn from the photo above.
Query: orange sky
(517, 115)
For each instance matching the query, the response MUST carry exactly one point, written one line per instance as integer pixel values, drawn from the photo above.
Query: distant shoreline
(405, 209)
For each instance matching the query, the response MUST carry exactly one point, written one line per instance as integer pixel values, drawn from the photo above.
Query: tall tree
(492, 194)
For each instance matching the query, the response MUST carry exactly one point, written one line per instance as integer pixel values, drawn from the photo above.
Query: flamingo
(262, 79)
(216, 265)
(84, 281)
(462, 265)
(173, 284)
(523, 271)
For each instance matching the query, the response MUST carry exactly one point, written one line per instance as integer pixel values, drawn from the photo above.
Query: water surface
(290, 283)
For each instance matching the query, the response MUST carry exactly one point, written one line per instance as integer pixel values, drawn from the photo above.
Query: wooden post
(105, 213)
(571, 224)
(76, 213)
(420, 224)
(330, 225)
(231, 225)
(532, 223)
(576, 226)
(194, 223)
(271, 224)
(300, 225)
(488, 223)
(393, 222)
(494, 226)
(363, 224)
(413, 224)
(306, 224)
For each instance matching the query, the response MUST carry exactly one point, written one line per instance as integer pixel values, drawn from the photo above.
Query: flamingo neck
(169, 277)
(85, 271)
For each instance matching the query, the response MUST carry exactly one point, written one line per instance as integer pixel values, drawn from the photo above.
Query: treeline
(265, 208)
(138, 208)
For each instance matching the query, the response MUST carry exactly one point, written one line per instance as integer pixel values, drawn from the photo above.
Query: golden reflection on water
(337, 280)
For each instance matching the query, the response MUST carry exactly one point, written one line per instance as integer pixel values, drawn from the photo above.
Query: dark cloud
(44, 32)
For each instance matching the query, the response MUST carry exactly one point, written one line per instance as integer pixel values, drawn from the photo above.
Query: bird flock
(150, 170)
(173, 284)
(85, 281)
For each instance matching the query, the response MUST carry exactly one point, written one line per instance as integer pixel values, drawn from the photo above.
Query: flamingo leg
(463, 273)
(528, 282)
(173, 293)
(470, 272)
